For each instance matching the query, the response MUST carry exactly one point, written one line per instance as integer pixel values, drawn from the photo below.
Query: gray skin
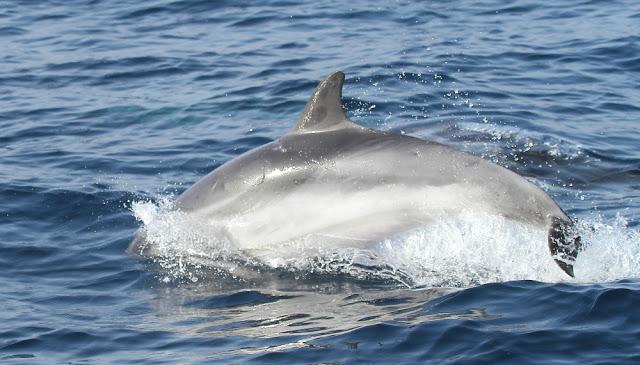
(348, 184)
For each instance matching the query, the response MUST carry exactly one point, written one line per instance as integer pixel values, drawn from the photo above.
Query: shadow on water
(286, 312)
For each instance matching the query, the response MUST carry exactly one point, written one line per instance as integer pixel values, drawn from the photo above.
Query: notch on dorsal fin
(324, 108)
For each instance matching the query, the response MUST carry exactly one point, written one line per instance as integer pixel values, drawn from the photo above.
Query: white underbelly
(339, 217)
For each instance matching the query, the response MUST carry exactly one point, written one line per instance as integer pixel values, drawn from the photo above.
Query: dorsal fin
(324, 108)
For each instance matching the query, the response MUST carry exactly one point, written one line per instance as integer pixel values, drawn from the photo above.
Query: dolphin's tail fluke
(564, 244)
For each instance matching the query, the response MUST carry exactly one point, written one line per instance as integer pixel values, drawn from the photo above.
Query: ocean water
(109, 110)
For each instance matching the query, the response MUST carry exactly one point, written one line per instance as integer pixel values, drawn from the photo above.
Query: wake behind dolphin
(345, 185)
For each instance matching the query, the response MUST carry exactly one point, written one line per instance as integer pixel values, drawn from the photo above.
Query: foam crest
(470, 249)
(611, 250)
(180, 243)
(473, 249)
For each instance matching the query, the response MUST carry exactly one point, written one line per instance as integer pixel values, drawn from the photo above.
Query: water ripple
(106, 105)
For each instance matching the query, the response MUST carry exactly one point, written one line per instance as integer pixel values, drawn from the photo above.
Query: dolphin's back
(369, 170)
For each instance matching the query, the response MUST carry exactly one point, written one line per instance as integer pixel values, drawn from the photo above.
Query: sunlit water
(109, 110)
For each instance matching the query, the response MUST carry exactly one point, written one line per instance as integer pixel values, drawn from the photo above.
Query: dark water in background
(108, 105)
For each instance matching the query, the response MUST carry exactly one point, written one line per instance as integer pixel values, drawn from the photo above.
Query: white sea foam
(611, 250)
(469, 250)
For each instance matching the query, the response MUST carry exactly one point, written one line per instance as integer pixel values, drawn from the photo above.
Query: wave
(469, 250)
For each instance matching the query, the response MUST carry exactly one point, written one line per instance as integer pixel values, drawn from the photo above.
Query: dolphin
(331, 178)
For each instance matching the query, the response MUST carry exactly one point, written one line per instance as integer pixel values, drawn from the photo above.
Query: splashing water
(180, 243)
(612, 250)
(470, 250)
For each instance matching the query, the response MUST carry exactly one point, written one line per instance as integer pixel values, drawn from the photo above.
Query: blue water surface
(110, 109)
